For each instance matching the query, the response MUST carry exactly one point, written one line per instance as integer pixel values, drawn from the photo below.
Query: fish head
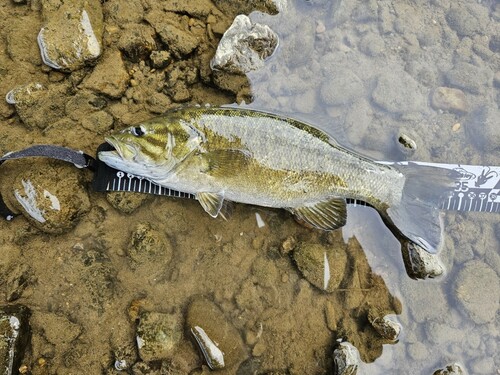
(151, 149)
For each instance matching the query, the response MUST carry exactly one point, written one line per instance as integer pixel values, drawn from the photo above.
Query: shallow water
(361, 71)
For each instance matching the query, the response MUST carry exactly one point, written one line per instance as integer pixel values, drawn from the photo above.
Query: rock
(147, 244)
(453, 369)
(341, 88)
(204, 314)
(419, 263)
(137, 41)
(406, 144)
(477, 288)
(14, 337)
(386, 328)
(72, 33)
(323, 266)
(448, 99)
(345, 359)
(244, 47)
(467, 19)
(21, 39)
(174, 32)
(469, 77)
(158, 335)
(398, 93)
(372, 45)
(123, 12)
(125, 201)
(99, 122)
(160, 59)
(38, 106)
(481, 126)
(50, 196)
(109, 77)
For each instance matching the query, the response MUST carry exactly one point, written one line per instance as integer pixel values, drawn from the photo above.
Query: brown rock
(448, 99)
(109, 77)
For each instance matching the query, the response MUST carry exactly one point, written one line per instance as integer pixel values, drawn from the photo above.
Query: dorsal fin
(329, 214)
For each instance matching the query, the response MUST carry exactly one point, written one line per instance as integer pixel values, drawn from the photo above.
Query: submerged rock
(218, 340)
(244, 47)
(51, 196)
(158, 335)
(72, 33)
(453, 369)
(406, 144)
(14, 337)
(386, 328)
(345, 359)
(481, 307)
(149, 244)
(449, 99)
(419, 263)
(322, 266)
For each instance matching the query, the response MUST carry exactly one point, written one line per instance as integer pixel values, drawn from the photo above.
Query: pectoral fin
(225, 162)
(327, 215)
(211, 202)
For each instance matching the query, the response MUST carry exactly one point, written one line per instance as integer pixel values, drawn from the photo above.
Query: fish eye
(138, 131)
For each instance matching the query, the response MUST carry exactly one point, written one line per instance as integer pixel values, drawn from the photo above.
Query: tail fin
(417, 217)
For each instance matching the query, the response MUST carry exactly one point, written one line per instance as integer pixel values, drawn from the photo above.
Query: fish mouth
(122, 150)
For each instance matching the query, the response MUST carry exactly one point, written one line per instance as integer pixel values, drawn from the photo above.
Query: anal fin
(329, 214)
(211, 202)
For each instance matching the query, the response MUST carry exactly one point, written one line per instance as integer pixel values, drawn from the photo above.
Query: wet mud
(117, 282)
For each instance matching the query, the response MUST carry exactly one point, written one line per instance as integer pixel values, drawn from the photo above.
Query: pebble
(481, 306)
(398, 93)
(419, 263)
(345, 359)
(149, 244)
(49, 195)
(208, 316)
(109, 77)
(14, 337)
(125, 201)
(406, 144)
(173, 33)
(372, 45)
(160, 59)
(323, 266)
(386, 328)
(469, 77)
(71, 35)
(124, 12)
(449, 99)
(158, 335)
(137, 41)
(341, 88)
(244, 47)
(453, 369)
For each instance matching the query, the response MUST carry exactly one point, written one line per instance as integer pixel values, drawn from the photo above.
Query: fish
(226, 154)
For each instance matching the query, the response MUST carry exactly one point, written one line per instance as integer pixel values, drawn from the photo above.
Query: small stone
(158, 335)
(99, 122)
(244, 47)
(124, 12)
(126, 202)
(372, 45)
(481, 306)
(456, 127)
(72, 34)
(173, 32)
(14, 337)
(208, 316)
(345, 359)
(109, 77)
(322, 266)
(160, 59)
(341, 88)
(419, 263)
(406, 144)
(149, 244)
(398, 93)
(453, 369)
(448, 99)
(469, 77)
(288, 245)
(137, 41)
(386, 328)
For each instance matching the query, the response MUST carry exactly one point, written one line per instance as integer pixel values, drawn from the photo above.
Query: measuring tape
(477, 188)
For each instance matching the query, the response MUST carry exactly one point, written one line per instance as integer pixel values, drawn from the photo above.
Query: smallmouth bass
(246, 156)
